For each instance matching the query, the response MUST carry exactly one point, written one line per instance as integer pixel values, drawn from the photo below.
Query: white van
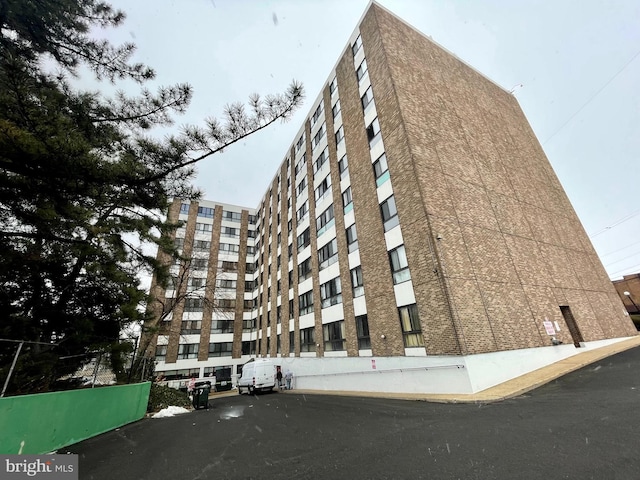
(258, 374)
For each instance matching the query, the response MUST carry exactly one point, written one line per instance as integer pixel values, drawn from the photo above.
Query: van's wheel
(239, 390)
(251, 390)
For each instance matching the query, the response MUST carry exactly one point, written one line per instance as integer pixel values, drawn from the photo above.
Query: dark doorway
(572, 325)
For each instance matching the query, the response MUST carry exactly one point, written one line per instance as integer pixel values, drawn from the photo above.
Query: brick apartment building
(414, 214)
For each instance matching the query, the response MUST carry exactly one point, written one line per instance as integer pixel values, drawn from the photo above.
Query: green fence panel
(42, 423)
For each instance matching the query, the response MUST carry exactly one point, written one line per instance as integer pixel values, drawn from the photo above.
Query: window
(251, 233)
(318, 136)
(250, 268)
(253, 219)
(178, 242)
(205, 212)
(303, 210)
(203, 227)
(161, 352)
(410, 323)
(362, 328)
(333, 86)
(291, 312)
(220, 349)
(222, 326)
(305, 303)
(301, 163)
(251, 250)
(193, 304)
(248, 325)
(343, 164)
(324, 188)
(321, 160)
(346, 199)
(399, 265)
(316, 114)
(249, 348)
(339, 135)
(336, 109)
(248, 305)
(331, 293)
(367, 99)
(292, 342)
(362, 69)
(334, 336)
(356, 45)
(231, 216)
(249, 285)
(230, 232)
(307, 339)
(226, 303)
(190, 327)
(228, 266)
(226, 284)
(184, 208)
(304, 239)
(228, 247)
(381, 170)
(304, 270)
(328, 254)
(324, 221)
(389, 213)
(373, 132)
(302, 185)
(202, 245)
(352, 238)
(356, 282)
(189, 350)
(195, 283)
(199, 263)
(300, 143)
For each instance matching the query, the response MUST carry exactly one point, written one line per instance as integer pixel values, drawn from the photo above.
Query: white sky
(578, 62)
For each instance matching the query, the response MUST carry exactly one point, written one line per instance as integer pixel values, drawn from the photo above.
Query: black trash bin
(200, 394)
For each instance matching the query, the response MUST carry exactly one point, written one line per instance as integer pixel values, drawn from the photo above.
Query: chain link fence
(34, 367)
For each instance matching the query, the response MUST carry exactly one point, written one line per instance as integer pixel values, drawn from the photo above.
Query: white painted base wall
(430, 374)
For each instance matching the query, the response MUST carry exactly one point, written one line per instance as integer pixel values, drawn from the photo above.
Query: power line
(592, 97)
(617, 273)
(616, 223)
(619, 249)
(622, 259)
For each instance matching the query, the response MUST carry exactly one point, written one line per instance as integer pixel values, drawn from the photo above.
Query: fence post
(95, 370)
(13, 365)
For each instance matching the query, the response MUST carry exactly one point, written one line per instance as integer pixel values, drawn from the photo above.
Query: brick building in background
(414, 215)
(629, 291)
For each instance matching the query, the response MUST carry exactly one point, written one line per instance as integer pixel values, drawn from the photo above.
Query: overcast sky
(578, 62)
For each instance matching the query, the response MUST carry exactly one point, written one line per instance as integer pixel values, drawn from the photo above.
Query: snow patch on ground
(170, 412)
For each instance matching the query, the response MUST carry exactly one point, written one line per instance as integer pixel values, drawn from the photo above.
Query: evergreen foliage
(83, 185)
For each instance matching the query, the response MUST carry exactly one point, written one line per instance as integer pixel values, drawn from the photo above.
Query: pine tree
(83, 185)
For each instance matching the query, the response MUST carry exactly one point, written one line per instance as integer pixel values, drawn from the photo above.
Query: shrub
(162, 397)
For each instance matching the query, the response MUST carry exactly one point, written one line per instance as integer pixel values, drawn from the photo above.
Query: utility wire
(592, 97)
(615, 224)
(619, 249)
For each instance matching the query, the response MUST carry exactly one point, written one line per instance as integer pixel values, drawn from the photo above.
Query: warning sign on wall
(548, 326)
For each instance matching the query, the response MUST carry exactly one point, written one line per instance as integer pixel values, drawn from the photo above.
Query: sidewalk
(509, 389)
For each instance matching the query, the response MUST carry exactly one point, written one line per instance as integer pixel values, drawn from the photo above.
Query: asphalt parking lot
(581, 426)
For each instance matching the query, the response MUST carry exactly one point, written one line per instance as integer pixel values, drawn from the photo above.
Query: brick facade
(493, 246)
